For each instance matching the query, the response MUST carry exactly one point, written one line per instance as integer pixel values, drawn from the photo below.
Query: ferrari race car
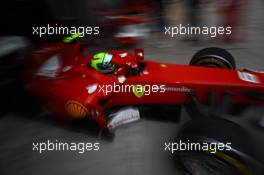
(70, 88)
(65, 81)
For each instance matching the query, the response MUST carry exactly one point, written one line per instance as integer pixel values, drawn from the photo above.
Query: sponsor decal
(248, 77)
(76, 109)
(138, 90)
(177, 89)
(91, 88)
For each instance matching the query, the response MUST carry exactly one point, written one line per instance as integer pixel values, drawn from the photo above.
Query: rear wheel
(214, 57)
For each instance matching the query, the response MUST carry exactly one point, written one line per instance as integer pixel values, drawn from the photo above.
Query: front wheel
(214, 57)
(212, 131)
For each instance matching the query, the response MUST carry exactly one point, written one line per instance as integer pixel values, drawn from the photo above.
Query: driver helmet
(101, 62)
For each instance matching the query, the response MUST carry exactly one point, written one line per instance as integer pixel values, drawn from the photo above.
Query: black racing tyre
(214, 57)
(211, 131)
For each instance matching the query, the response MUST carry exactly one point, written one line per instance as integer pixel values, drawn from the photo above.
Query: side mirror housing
(139, 54)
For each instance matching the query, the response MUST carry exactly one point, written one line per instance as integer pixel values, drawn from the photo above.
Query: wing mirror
(139, 55)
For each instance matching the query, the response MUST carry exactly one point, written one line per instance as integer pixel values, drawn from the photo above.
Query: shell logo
(76, 109)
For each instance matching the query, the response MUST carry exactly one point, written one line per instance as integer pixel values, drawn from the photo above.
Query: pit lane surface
(137, 148)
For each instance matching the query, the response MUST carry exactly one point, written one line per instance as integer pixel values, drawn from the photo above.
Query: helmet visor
(107, 58)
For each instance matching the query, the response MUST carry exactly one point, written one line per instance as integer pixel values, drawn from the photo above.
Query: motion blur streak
(137, 148)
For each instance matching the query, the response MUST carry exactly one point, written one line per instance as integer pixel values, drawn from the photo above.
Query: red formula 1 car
(69, 87)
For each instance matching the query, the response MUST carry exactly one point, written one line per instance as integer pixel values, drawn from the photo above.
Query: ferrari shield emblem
(138, 90)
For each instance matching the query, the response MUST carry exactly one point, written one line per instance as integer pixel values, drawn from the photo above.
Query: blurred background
(138, 147)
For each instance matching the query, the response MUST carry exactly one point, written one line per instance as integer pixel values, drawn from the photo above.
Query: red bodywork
(66, 95)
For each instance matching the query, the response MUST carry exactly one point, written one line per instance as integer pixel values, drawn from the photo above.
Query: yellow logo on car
(138, 90)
